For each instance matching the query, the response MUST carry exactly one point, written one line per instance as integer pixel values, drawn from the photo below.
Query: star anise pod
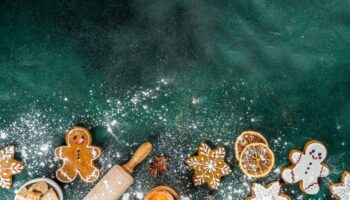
(159, 166)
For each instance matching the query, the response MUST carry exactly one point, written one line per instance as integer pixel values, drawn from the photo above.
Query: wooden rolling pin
(118, 179)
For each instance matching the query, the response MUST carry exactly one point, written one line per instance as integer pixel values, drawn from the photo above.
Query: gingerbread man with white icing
(78, 157)
(307, 167)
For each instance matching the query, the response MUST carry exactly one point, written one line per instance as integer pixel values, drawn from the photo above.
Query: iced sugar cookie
(341, 191)
(209, 166)
(78, 157)
(8, 166)
(307, 167)
(270, 192)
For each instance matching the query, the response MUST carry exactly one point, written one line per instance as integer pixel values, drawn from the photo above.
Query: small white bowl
(51, 184)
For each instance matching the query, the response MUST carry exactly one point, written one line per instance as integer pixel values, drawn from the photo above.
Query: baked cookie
(78, 157)
(271, 192)
(209, 166)
(8, 166)
(341, 191)
(307, 167)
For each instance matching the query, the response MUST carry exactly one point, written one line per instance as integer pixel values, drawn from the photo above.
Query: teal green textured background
(174, 73)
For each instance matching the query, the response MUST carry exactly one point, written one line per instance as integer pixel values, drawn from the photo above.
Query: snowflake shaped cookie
(8, 166)
(209, 166)
(342, 190)
(270, 192)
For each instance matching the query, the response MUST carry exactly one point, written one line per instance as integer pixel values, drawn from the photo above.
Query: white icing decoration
(5, 182)
(93, 176)
(342, 191)
(94, 151)
(63, 173)
(211, 167)
(269, 193)
(60, 152)
(16, 168)
(307, 168)
(6, 155)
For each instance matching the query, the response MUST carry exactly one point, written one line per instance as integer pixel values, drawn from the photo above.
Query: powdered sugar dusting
(120, 124)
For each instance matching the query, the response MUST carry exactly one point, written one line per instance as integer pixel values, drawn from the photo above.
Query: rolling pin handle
(141, 153)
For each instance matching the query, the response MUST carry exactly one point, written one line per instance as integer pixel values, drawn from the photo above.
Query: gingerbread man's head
(316, 151)
(78, 136)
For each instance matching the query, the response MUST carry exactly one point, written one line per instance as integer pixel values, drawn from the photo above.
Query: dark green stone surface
(175, 73)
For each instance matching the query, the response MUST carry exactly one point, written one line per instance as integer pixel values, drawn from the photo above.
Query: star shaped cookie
(209, 166)
(8, 166)
(341, 191)
(270, 192)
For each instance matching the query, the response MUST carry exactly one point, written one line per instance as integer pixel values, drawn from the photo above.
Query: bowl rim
(162, 187)
(50, 182)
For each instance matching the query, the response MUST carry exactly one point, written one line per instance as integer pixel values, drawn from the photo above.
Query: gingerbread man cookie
(307, 167)
(8, 166)
(78, 157)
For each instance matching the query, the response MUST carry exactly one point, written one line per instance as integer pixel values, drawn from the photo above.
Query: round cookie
(307, 167)
(78, 157)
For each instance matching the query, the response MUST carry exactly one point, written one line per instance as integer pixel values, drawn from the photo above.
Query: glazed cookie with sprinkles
(271, 191)
(307, 167)
(78, 157)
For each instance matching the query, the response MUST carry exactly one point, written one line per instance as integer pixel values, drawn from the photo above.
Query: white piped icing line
(59, 152)
(93, 176)
(64, 174)
(94, 154)
(8, 166)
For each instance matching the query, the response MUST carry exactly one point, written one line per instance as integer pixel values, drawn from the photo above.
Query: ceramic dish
(51, 184)
(171, 191)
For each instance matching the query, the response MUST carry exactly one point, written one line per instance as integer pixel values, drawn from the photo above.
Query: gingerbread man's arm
(295, 156)
(96, 152)
(324, 171)
(60, 152)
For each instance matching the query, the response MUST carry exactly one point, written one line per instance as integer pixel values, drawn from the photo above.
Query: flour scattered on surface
(3, 135)
(139, 195)
(126, 196)
(140, 114)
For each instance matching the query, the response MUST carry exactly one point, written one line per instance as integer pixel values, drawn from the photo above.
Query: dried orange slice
(257, 160)
(246, 138)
